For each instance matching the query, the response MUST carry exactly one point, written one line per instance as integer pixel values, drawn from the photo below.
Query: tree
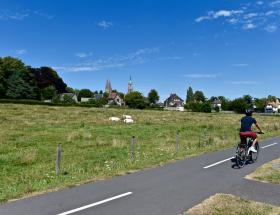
(249, 100)
(49, 92)
(272, 98)
(84, 93)
(8, 66)
(135, 100)
(20, 86)
(153, 96)
(190, 96)
(68, 100)
(201, 107)
(2, 85)
(213, 98)
(225, 102)
(46, 76)
(239, 105)
(199, 96)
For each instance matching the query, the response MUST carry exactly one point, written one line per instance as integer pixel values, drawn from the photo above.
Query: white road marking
(95, 204)
(273, 144)
(214, 164)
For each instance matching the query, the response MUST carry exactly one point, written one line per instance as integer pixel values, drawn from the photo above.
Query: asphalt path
(167, 190)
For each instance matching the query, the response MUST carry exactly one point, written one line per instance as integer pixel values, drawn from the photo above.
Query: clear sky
(222, 47)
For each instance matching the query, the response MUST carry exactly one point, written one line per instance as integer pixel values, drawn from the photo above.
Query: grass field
(224, 204)
(269, 172)
(94, 148)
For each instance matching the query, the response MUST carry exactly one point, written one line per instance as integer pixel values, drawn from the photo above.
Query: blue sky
(222, 47)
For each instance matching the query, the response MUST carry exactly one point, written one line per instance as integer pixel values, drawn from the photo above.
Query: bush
(200, 107)
(238, 105)
(135, 100)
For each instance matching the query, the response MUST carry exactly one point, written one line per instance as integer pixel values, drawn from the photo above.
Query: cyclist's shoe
(252, 149)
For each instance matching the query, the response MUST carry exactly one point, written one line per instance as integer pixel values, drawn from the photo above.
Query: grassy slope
(224, 204)
(94, 148)
(267, 173)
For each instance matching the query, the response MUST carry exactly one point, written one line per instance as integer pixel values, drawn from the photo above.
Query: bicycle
(244, 155)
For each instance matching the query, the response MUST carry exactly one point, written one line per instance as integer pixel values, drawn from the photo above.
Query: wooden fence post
(177, 142)
(58, 159)
(132, 149)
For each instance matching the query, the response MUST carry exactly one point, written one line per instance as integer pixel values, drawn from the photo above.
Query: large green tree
(46, 76)
(49, 92)
(84, 93)
(260, 103)
(153, 96)
(190, 96)
(239, 105)
(199, 96)
(135, 100)
(21, 86)
(8, 66)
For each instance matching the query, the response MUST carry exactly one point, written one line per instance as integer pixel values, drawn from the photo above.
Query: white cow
(128, 121)
(126, 117)
(114, 119)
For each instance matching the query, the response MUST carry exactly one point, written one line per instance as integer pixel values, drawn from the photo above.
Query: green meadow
(94, 148)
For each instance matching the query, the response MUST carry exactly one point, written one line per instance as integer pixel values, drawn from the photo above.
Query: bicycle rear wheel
(240, 157)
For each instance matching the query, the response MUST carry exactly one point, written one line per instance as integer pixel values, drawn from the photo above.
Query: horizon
(226, 48)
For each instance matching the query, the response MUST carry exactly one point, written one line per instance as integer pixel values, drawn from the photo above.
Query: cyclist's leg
(253, 135)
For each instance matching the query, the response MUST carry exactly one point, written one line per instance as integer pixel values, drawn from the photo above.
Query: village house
(174, 102)
(217, 104)
(114, 98)
(272, 106)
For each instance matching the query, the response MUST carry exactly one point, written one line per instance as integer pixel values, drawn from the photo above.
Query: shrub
(200, 107)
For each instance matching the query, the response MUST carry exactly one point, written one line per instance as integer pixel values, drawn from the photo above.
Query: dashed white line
(273, 144)
(219, 162)
(95, 204)
(214, 164)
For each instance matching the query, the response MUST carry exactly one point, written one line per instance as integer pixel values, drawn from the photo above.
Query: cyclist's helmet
(249, 112)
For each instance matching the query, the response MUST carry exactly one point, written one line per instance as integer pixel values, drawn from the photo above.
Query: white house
(272, 106)
(174, 102)
(217, 104)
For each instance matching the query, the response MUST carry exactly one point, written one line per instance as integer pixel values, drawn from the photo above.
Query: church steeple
(108, 87)
(130, 86)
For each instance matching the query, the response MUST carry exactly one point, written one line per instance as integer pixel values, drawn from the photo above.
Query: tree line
(196, 101)
(19, 81)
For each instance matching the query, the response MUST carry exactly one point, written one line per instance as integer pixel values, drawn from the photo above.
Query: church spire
(108, 87)
(130, 86)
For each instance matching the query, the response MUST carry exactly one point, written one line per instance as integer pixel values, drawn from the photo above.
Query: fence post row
(58, 159)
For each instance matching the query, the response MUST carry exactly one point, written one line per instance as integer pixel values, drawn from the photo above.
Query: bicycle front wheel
(254, 155)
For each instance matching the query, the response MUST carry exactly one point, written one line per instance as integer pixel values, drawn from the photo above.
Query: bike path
(166, 190)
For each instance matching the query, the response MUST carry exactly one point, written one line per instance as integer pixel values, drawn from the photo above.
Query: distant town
(23, 84)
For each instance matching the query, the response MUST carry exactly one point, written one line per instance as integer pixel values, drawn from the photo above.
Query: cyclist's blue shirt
(246, 123)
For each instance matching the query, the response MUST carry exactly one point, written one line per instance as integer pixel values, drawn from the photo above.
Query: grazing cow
(127, 117)
(114, 119)
(128, 121)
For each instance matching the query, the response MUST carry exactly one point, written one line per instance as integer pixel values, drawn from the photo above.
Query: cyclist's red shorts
(247, 134)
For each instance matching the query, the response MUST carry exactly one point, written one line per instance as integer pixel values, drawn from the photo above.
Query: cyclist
(246, 129)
